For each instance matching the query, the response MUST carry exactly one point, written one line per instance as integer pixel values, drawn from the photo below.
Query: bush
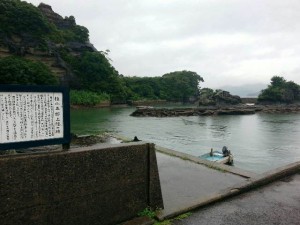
(17, 70)
(280, 91)
(21, 17)
(87, 98)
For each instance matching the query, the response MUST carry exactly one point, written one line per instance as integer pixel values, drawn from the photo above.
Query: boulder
(219, 98)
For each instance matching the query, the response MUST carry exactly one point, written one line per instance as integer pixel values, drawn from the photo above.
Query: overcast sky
(227, 42)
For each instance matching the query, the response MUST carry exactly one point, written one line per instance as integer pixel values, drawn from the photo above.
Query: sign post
(32, 116)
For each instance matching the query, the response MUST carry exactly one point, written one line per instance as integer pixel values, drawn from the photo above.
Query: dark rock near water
(213, 111)
(219, 98)
(235, 112)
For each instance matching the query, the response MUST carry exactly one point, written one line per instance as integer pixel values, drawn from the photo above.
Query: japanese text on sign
(27, 116)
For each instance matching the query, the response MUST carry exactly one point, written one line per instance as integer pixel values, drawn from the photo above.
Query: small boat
(219, 157)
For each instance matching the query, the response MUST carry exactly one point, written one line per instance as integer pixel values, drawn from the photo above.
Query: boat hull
(217, 157)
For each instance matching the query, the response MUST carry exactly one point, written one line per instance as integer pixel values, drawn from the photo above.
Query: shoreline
(216, 110)
(132, 104)
(165, 111)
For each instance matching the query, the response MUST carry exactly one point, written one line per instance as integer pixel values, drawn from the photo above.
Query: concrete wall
(83, 186)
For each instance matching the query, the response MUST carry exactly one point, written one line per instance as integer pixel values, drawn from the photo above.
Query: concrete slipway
(275, 203)
(188, 182)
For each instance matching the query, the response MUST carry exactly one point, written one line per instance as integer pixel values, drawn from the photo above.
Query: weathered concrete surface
(184, 181)
(277, 203)
(92, 185)
(214, 165)
(266, 178)
(186, 184)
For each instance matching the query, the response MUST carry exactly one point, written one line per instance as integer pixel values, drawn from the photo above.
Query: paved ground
(185, 183)
(188, 183)
(278, 203)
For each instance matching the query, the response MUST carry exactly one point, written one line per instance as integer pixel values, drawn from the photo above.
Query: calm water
(259, 142)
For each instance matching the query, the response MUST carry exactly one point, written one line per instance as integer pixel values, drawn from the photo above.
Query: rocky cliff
(45, 48)
(218, 98)
(55, 18)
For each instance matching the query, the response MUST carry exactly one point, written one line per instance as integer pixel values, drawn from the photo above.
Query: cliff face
(219, 98)
(55, 18)
(43, 49)
(51, 15)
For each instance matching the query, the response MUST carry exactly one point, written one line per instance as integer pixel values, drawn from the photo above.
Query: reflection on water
(190, 122)
(259, 142)
(278, 121)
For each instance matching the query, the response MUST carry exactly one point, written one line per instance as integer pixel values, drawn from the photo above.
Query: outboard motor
(225, 151)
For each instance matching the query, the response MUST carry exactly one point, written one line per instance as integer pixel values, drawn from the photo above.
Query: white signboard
(30, 116)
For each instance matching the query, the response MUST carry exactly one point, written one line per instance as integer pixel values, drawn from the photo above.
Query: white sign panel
(30, 116)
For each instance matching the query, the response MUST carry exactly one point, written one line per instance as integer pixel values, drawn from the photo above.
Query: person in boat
(135, 139)
(211, 152)
(225, 151)
(230, 159)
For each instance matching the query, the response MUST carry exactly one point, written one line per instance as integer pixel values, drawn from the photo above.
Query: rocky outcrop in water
(215, 111)
(163, 112)
(218, 98)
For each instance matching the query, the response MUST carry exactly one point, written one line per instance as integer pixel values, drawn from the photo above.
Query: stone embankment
(212, 111)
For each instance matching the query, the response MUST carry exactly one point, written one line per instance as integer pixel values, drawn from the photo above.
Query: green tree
(18, 17)
(17, 70)
(207, 92)
(280, 91)
(95, 73)
(142, 87)
(277, 81)
(87, 98)
(181, 85)
(175, 86)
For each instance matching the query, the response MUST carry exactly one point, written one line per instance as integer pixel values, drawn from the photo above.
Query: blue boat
(219, 157)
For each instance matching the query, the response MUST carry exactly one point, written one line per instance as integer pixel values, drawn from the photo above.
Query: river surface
(259, 142)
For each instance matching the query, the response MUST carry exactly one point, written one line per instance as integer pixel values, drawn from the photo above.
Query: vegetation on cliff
(87, 98)
(175, 86)
(51, 48)
(17, 70)
(280, 91)
(27, 22)
(22, 18)
(95, 73)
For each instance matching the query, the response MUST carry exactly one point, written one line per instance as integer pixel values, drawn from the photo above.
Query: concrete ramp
(186, 184)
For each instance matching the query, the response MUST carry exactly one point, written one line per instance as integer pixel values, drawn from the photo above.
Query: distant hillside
(248, 90)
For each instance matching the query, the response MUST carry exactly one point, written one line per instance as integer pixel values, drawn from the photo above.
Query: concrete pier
(188, 182)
